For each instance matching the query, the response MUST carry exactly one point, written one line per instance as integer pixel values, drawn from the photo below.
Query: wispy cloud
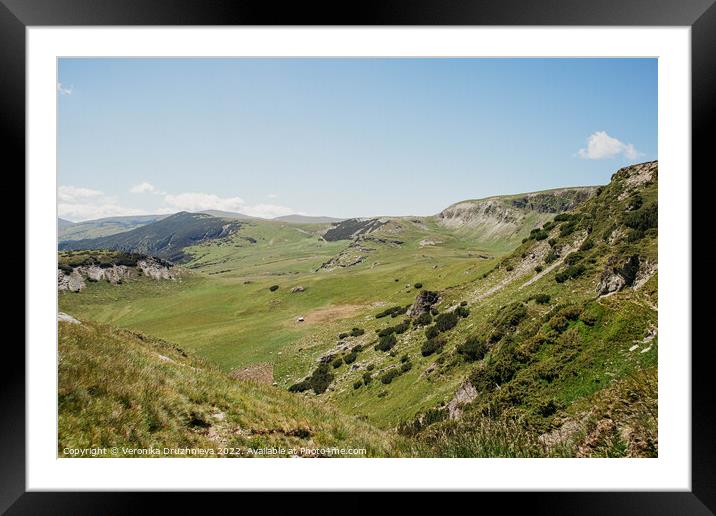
(601, 146)
(145, 187)
(78, 203)
(63, 90)
(197, 201)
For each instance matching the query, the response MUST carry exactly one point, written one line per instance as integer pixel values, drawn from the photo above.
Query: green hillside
(119, 388)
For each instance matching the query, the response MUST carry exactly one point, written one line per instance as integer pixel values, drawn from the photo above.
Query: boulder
(423, 302)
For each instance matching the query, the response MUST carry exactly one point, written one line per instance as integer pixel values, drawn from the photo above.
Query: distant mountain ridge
(102, 227)
(165, 238)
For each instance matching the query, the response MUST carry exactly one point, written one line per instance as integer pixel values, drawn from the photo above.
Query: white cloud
(77, 204)
(74, 193)
(77, 212)
(600, 146)
(196, 201)
(144, 187)
(272, 196)
(62, 90)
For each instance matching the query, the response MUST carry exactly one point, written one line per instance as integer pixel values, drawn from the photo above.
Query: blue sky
(342, 137)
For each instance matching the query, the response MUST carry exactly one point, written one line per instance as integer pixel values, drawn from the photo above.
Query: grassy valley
(529, 317)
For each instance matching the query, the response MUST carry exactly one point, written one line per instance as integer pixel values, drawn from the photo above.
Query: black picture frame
(700, 15)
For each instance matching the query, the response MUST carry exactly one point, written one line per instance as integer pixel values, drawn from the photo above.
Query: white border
(670, 471)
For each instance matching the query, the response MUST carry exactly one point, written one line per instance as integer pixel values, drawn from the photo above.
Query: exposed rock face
(464, 395)
(150, 267)
(618, 275)
(423, 303)
(351, 228)
(635, 176)
(502, 213)
(299, 288)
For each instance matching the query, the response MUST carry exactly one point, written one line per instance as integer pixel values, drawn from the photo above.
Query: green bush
(300, 386)
(552, 242)
(370, 367)
(431, 332)
(350, 357)
(424, 319)
(462, 311)
(342, 336)
(392, 311)
(337, 362)
(418, 285)
(273, 288)
(644, 218)
(357, 332)
(447, 321)
(551, 256)
(386, 343)
(539, 269)
(474, 348)
(358, 384)
(587, 245)
(573, 258)
(432, 346)
(321, 379)
(367, 378)
(434, 311)
(407, 366)
(509, 268)
(542, 299)
(506, 320)
(571, 272)
(389, 376)
(541, 235)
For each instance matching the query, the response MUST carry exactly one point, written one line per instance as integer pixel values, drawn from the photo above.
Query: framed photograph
(439, 246)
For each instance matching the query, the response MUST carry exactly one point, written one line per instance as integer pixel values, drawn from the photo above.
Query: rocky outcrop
(423, 303)
(115, 274)
(464, 395)
(618, 275)
(635, 176)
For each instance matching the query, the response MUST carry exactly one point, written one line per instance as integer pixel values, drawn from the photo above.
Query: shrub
(560, 321)
(392, 311)
(573, 258)
(567, 228)
(65, 268)
(474, 348)
(551, 256)
(507, 319)
(552, 242)
(541, 235)
(539, 269)
(370, 367)
(389, 376)
(402, 327)
(432, 346)
(404, 358)
(434, 311)
(445, 322)
(386, 343)
(542, 299)
(386, 331)
(357, 332)
(342, 336)
(424, 319)
(432, 332)
(587, 245)
(300, 386)
(418, 285)
(321, 379)
(350, 357)
(273, 288)
(337, 362)
(358, 384)
(563, 217)
(357, 348)
(463, 303)
(573, 271)
(462, 311)
(644, 218)
(509, 268)
(407, 366)
(367, 378)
